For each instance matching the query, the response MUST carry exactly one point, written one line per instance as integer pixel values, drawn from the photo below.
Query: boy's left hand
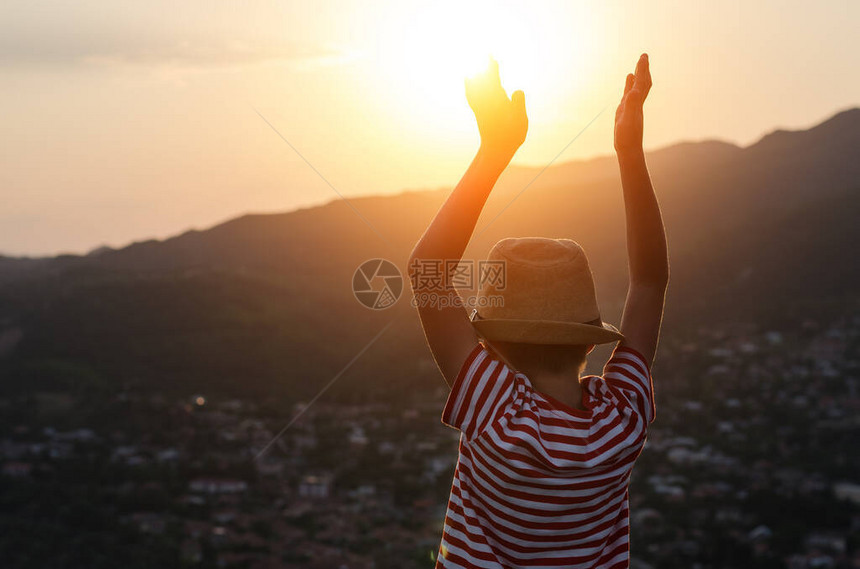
(629, 116)
(502, 122)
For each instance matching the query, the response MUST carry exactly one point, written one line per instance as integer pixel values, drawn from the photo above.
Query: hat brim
(546, 332)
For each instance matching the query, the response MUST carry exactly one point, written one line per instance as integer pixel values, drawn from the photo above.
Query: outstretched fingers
(494, 81)
(518, 99)
(486, 85)
(493, 73)
(642, 79)
(629, 83)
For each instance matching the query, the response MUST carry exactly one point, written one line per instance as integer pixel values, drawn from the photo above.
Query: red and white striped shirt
(539, 483)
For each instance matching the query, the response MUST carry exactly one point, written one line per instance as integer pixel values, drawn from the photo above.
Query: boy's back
(541, 483)
(537, 481)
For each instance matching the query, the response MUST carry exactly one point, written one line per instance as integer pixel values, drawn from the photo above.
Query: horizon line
(327, 201)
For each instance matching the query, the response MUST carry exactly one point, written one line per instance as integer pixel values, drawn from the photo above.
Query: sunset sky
(125, 121)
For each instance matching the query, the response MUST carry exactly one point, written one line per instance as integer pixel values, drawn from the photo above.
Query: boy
(545, 455)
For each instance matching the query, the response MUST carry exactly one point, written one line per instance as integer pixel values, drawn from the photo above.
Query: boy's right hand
(502, 122)
(629, 116)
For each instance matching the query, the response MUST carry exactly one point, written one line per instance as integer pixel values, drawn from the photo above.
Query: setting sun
(424, 53)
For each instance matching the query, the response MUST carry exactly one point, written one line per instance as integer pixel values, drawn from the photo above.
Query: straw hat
(547, 296)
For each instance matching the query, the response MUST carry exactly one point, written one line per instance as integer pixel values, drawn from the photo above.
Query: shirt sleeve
(482, 389)
(628, 375)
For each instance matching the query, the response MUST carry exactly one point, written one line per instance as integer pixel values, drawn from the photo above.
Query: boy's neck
(564, 386)
(566, 389)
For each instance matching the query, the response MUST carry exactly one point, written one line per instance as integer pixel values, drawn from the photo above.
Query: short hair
(543, 358)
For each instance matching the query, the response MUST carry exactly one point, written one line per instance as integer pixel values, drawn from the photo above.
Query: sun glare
(449, 42)
(440, 44)
(426, 52)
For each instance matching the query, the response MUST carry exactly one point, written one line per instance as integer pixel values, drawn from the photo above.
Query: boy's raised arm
(646, 238)
(503, 125)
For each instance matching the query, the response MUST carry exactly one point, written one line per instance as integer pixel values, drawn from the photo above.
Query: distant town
(752, 462)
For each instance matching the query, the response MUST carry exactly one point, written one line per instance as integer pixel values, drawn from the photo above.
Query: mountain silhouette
(263, 304)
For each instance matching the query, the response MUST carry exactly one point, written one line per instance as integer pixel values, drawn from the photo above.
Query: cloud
(197, 54)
